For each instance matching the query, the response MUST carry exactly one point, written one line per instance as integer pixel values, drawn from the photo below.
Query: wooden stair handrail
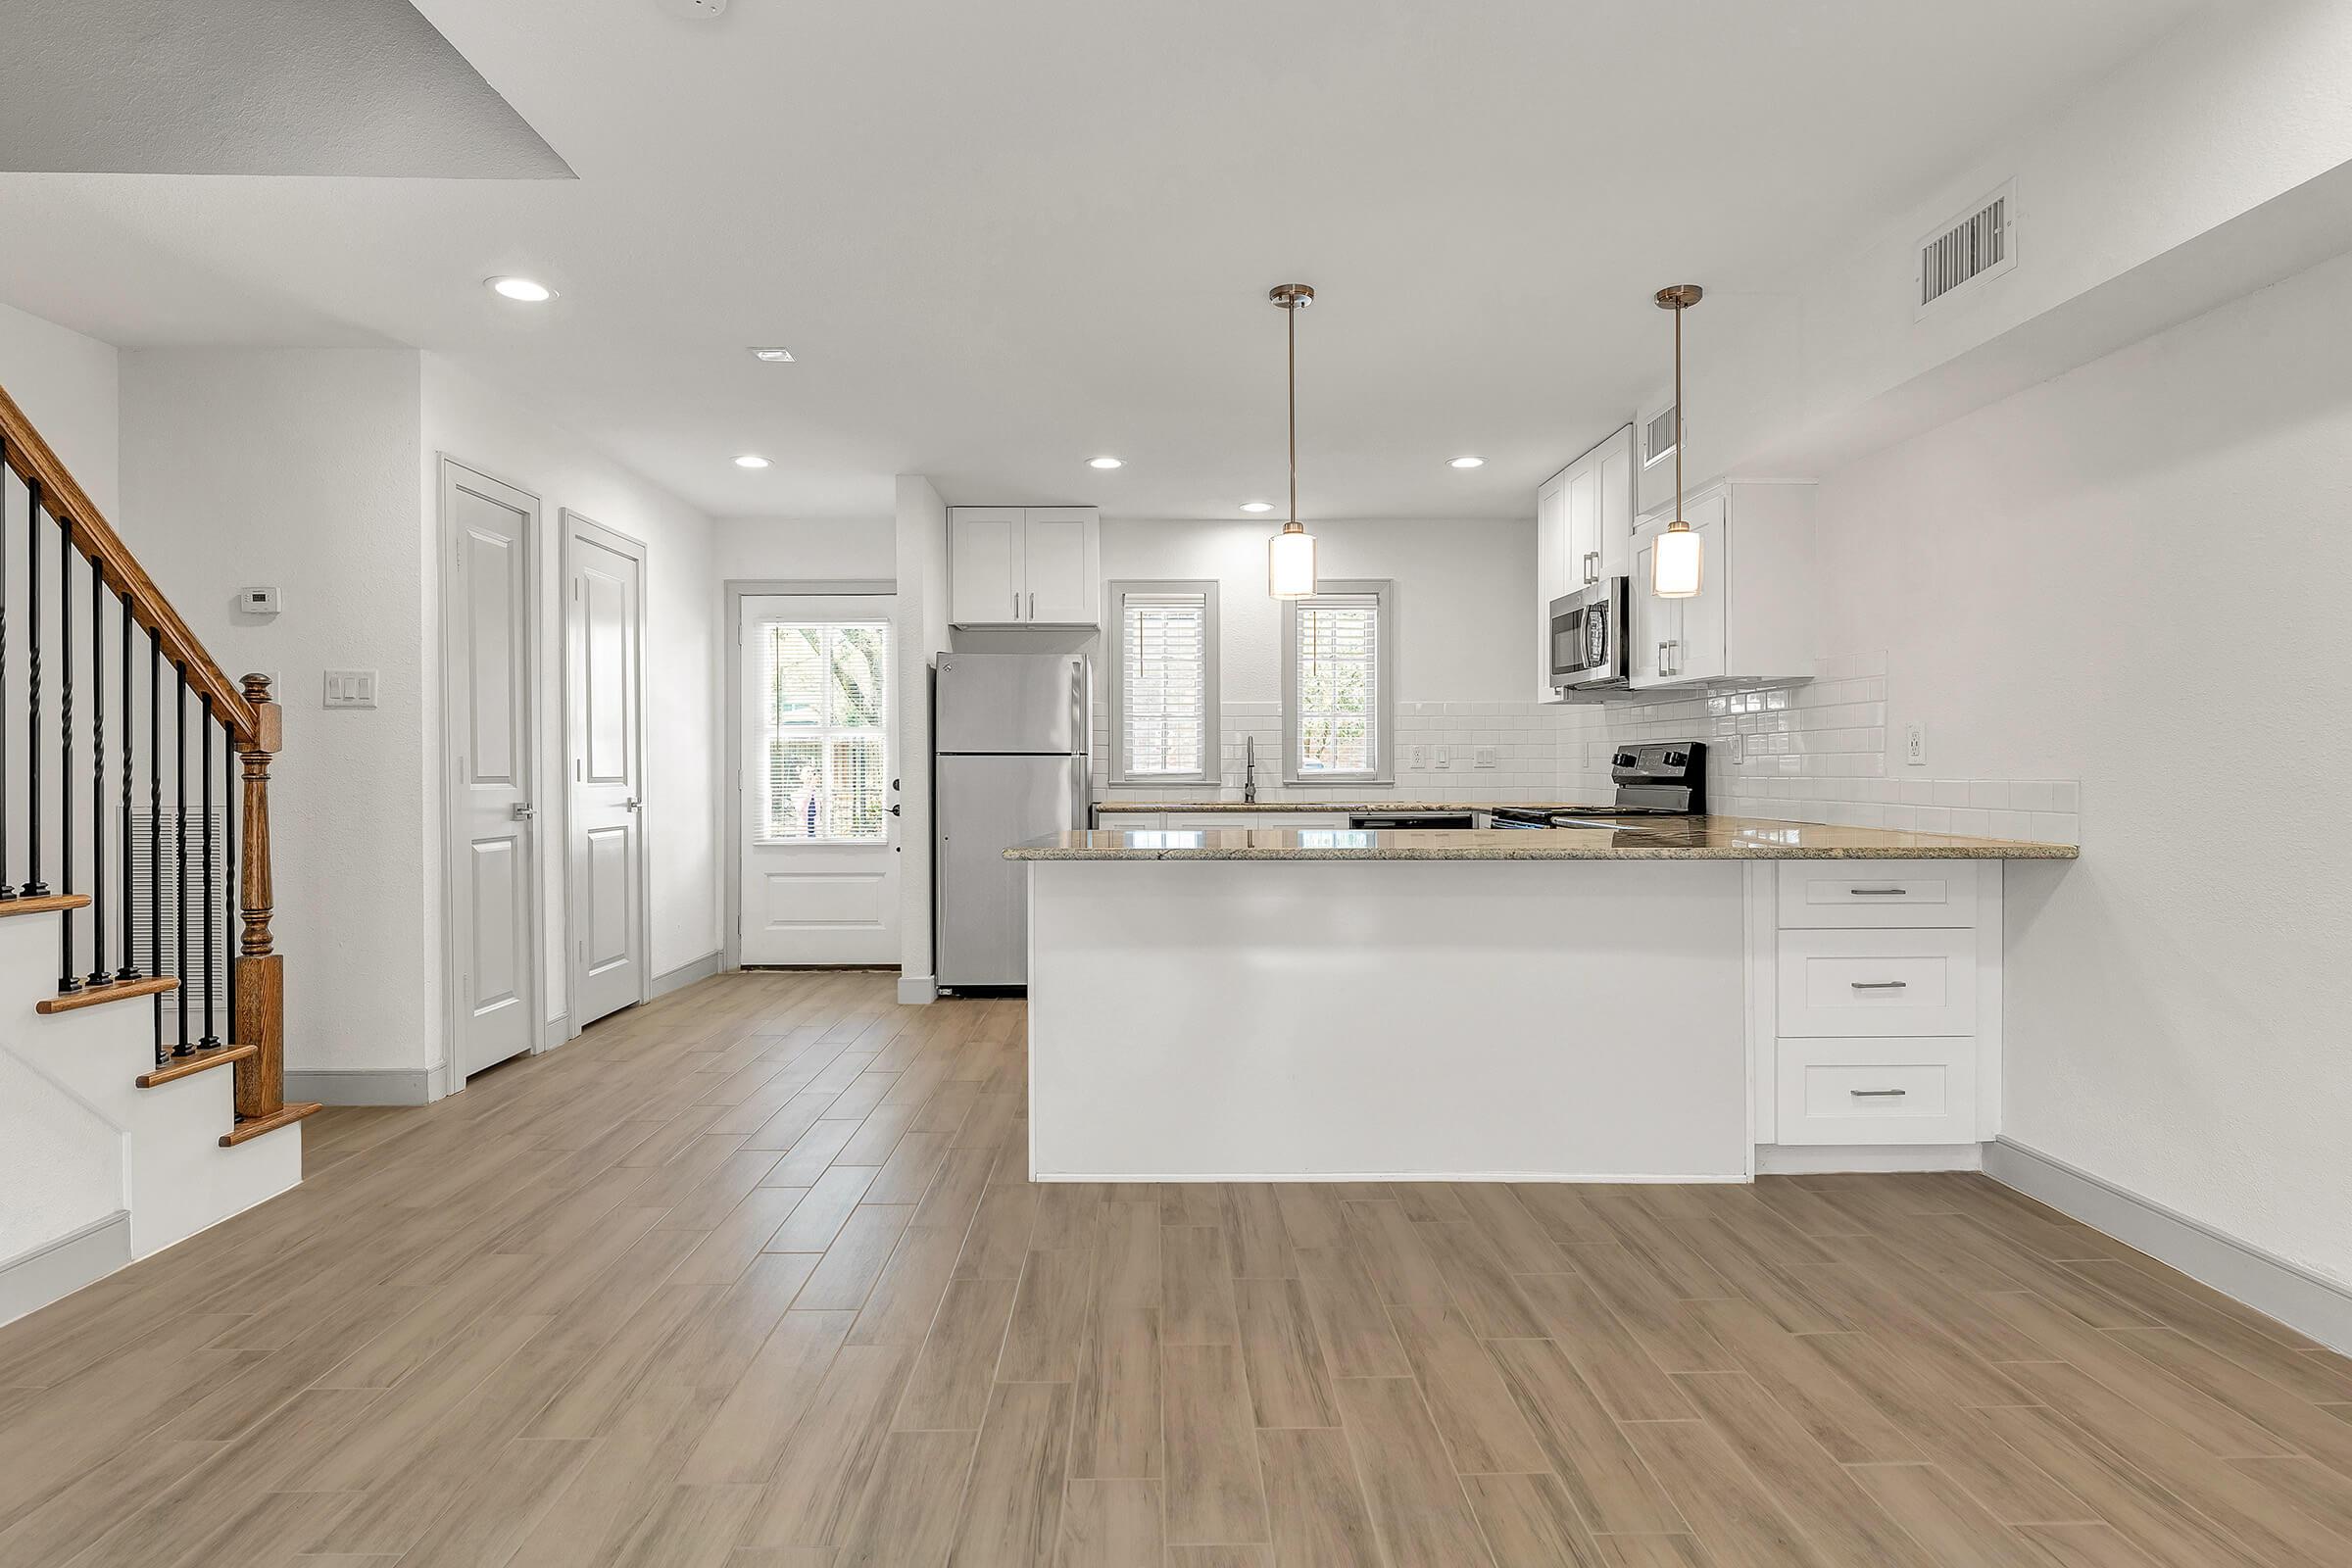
(32, 460)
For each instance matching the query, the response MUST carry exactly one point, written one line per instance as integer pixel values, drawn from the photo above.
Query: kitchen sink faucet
(1248, 771)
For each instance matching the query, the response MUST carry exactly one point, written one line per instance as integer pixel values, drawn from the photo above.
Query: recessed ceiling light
(527, 289)
(1466, 462)
(750, 460)
(774, 355)
(1257, 506)
(1103, 463)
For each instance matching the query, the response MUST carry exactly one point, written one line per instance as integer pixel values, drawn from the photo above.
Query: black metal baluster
(212, 1037)
(7, 890)
(99, 974)
(155, 827)
(180, 759)
(228, 874)
(34, 886)
(66, 980)
(130, 953)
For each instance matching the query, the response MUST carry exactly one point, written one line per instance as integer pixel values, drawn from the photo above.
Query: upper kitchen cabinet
(1024, 565)
(1753, 616)
(1584, 533)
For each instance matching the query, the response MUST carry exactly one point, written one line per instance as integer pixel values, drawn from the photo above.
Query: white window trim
(1383, 697)
(1211, 766)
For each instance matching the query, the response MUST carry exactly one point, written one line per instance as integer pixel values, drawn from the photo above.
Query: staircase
(146, 1066)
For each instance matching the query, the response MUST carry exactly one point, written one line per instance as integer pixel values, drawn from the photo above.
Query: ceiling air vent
(1658, 436)
(1969, 250)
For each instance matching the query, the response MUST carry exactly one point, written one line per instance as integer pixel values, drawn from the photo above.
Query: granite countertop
(1682, 838)
(1367, 806)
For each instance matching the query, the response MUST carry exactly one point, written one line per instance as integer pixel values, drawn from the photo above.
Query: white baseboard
(2308, 1302)
(918, 990)
(687, 973)
(363, 1086)
(1821, 1160)
(557, 1031)
(1612, 1178)
(32, 1279)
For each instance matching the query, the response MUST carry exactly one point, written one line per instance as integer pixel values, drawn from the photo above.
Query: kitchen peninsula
(1638, 1003)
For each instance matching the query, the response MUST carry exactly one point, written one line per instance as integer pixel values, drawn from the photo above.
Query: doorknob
(524, 810)
(630, 803)
(893, 810)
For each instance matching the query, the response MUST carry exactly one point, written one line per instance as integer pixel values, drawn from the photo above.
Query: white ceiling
(252, 87)
(1005, 238)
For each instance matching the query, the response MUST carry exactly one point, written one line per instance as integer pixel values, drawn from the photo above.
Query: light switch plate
(350, 688)
(1445, 757)
(1484, 756)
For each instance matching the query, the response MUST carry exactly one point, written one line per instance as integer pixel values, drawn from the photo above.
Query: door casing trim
(447, 1079)
(730, 787)
(578, 526)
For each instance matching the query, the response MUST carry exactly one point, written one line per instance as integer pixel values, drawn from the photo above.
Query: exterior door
(488, 678)
(819, 805)
(604, 734)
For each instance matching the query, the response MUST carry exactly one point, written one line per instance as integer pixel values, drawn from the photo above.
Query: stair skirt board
(42, 1274)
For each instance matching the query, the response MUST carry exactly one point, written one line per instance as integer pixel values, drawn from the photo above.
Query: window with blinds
(826, 748)
(1165, 723)
(1337, 662)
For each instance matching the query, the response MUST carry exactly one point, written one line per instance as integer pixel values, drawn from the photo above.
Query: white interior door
(819, 813)
(488, 661)
(604, 735)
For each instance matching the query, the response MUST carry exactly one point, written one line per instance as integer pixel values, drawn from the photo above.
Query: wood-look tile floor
(751, 1278)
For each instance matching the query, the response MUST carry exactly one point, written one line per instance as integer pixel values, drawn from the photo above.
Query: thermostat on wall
(258, 601)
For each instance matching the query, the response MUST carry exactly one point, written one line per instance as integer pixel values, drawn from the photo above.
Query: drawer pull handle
(1877, 1094)
(1880, 985)
(1879, 893)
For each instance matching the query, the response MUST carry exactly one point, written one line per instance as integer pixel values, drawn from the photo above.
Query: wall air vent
(1658, 436)
(1967, 250)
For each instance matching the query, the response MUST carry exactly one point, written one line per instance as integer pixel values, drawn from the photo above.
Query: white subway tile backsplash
(1815, 751)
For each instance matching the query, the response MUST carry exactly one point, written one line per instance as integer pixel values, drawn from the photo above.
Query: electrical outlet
(1915, 745)
(1484, 756)
(1739, 748)
(1445, 757)
(350, 688)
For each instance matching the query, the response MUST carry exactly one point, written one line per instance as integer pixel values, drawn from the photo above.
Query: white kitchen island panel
(1374, 1020)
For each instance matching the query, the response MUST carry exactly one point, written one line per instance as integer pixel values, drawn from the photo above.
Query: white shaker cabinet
(1584, 533)
(1753, 616)
(1024, 567)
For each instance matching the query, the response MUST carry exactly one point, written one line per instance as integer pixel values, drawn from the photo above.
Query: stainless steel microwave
(1586, 637)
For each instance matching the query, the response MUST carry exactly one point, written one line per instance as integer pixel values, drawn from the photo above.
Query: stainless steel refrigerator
(1010, 734)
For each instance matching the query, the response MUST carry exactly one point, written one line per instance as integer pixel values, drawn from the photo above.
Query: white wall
(1464, 620)
(791, 549)
(297, 467)
(491, 431)
(2133, 576)
(67, 385)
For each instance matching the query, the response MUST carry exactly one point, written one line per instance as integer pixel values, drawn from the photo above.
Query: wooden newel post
(260, 984)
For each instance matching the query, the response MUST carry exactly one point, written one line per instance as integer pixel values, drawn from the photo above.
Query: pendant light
(1674, 556)
(1290, 554)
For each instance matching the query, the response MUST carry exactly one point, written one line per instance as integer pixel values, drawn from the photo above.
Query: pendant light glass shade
(1675, 562)
(1676, 556)
(1290, 564)
(1290, 554)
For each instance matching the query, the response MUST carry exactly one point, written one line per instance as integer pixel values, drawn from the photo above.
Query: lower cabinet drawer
(1876, 893)
(1860, 983)
(1877, 1090)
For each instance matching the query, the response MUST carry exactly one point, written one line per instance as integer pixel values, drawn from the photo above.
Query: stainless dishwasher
(1392, 819)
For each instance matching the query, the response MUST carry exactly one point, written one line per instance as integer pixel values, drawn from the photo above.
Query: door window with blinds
(1337, 703)
(825, 753)
(1165, 701)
